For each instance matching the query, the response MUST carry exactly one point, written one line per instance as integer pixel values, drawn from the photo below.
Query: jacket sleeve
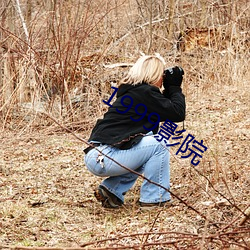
(169, 105)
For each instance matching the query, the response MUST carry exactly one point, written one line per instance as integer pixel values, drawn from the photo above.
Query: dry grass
(46, 194)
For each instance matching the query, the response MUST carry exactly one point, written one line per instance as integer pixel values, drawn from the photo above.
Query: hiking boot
(151, 206)
(107, 199)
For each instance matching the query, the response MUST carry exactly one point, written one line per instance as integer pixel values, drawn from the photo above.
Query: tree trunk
(28, 87)
(6, 67)
(171, 20)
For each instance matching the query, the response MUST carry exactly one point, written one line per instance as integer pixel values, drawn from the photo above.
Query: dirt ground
(46, 192)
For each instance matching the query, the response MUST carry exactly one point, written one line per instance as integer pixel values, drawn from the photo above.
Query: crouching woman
(128, 134)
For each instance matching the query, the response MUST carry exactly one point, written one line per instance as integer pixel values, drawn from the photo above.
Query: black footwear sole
(107, 199)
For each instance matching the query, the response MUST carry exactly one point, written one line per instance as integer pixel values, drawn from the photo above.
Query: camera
(171, 70)
(173, 76)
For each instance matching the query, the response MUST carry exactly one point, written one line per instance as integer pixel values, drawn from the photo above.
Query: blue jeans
(148, 157)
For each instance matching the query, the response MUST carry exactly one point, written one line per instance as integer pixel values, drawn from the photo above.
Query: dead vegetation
(54, 58)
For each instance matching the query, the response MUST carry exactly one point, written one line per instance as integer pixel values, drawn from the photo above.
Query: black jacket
(120, 131)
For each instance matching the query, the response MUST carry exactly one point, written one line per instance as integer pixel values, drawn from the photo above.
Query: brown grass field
(62, 69)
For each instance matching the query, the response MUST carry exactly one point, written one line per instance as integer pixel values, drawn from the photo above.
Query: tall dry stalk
(150, 10)
(23, 22)
(28, 14)
(203, 20)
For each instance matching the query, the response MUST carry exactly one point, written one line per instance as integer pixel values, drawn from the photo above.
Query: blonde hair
(148, 68)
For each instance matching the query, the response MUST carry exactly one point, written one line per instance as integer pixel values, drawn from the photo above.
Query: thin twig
(246, 217)
(156, 217)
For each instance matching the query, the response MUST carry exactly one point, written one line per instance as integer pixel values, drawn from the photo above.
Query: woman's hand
(173, 77)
